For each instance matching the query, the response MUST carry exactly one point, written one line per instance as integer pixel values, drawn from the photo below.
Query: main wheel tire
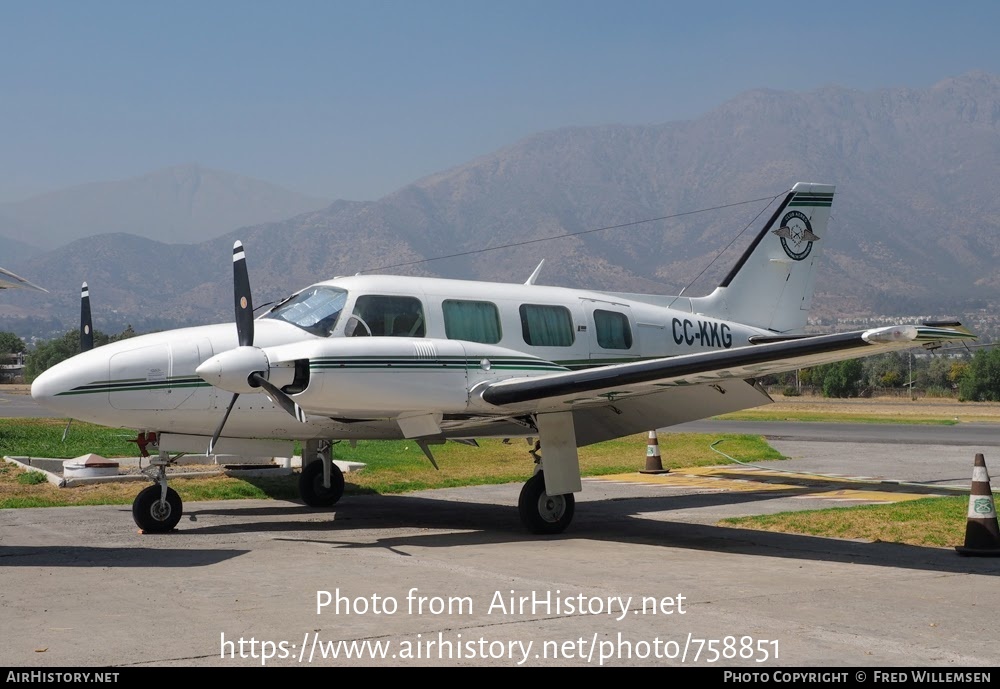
(153, 516)
(311, 487)
(541, 513)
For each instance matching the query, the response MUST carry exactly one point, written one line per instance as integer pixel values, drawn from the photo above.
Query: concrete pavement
(643, 577)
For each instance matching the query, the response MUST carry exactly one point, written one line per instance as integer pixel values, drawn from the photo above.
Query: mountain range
(915, 229)
(177, 205)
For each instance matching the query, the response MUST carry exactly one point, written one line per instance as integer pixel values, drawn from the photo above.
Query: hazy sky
(355, 99)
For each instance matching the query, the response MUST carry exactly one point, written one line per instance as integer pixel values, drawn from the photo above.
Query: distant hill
(916, 220)
(13, 250)
(176, 205)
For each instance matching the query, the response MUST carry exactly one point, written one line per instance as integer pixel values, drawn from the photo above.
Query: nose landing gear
(157, 508)
(314, 488)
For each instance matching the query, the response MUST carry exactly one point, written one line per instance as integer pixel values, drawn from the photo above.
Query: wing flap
(665, 407)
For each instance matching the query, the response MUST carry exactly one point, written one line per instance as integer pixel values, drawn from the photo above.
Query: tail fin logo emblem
(796, 235)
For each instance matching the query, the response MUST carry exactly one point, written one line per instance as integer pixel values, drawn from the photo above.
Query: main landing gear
(540, 512)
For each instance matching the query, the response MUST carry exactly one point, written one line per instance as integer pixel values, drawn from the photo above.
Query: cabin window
(315, 309)
(546, 326)
(382, 316)
(613, 331)
(472, 321)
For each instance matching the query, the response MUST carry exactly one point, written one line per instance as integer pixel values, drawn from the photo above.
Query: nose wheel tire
(153, 515)
(311, 487)
(541, 513)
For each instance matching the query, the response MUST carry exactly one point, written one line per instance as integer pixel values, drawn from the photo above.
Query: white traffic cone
(654, 464)
(982, 533)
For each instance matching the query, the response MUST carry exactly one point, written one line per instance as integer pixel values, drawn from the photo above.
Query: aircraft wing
(613, 401)
(9, 280)
(705, 368)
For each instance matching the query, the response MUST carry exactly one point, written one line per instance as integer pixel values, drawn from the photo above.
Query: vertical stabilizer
(771, 286)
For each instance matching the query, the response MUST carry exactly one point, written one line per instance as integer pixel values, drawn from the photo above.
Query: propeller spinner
(244, 369)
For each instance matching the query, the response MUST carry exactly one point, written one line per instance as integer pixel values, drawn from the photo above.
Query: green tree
(890, 379)
(887, 370)
(980, 382)
(809, 376)
(11, 343)
(956, 370)
(10, 346)
(934, 374)
(841, 379)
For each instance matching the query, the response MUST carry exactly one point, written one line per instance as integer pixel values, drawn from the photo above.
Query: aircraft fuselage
(375, 357)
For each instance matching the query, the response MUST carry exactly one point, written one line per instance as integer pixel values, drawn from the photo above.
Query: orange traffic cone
(654, 465)
(982, 534)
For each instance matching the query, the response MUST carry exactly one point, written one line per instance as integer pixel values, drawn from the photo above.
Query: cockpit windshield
(315, 309)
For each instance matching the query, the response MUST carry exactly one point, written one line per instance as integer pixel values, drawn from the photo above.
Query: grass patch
(391, 466)
(400, 467)
(43, 438)
(925, 522)
(31, 478)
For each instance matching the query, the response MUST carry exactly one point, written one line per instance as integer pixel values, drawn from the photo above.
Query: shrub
(939, 391)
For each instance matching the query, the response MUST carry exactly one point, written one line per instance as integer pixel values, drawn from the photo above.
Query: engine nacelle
(383, 377)
(231, 369)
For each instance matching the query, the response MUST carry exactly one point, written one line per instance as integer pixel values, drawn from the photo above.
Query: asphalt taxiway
(644, 576)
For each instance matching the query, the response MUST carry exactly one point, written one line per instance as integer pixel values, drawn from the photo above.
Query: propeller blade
(66, 430)
(279, 397)
(218, 430)
(86, 325)
(241, 289)
(244, 330)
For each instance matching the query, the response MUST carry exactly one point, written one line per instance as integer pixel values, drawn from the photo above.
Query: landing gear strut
(546, 506)
(157, 508)
(315, 489)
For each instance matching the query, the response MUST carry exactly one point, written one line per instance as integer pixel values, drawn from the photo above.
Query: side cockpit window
(316, 309)
(385, 316)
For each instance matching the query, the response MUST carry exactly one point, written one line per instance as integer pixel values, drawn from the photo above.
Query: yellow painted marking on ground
(754, 479)
(866, 496)
(695, 479)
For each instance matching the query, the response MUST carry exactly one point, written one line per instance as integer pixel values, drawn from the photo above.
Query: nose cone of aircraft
(47, 387)
(59, 388)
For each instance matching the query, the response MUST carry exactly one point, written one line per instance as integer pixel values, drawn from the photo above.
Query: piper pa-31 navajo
(391, 357)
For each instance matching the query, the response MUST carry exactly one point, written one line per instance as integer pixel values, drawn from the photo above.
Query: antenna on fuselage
(534, 275)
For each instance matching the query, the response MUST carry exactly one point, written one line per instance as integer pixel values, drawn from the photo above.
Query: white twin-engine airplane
(390, 357)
